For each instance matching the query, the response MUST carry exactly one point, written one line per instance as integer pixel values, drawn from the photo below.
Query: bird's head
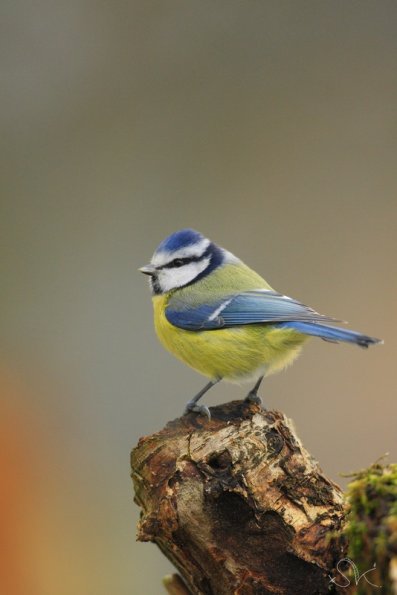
(182, 258)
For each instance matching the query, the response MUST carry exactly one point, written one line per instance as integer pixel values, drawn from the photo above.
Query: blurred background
(269, 126)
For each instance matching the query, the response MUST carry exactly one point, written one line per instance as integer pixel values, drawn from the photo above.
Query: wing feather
(249, 307)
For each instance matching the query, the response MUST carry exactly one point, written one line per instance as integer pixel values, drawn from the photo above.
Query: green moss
(372, 523)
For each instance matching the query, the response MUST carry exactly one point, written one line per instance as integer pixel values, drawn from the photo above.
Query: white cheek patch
(195, 250)
(177, 277)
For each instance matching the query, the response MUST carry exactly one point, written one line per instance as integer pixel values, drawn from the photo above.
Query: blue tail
(331, 333)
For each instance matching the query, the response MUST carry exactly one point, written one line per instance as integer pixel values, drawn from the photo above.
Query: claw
(199, 409)
(253, 398)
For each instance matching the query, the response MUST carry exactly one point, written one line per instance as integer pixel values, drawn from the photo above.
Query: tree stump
(238, 505)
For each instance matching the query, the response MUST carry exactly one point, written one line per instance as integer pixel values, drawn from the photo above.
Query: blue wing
(249, 307)
(331, 333)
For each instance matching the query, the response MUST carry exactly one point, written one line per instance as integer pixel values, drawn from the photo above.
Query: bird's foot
(199, 409)
(253, 398)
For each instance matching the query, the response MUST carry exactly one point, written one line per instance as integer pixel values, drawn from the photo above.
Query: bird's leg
(253, 396)
(203, 409)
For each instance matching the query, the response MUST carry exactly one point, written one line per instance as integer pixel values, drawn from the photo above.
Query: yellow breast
(235, 354)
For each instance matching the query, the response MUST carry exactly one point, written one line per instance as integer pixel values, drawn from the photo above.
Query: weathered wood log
(238, 505)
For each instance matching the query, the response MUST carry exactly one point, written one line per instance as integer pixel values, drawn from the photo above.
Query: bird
(222, 319)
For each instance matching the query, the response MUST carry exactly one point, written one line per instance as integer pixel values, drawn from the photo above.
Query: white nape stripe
(161, 258)
(216, 312)
(229, 258)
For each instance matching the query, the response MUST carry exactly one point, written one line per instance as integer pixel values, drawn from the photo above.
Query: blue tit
(224, 320)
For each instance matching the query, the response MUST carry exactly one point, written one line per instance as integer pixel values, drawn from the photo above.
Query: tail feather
(331, 333)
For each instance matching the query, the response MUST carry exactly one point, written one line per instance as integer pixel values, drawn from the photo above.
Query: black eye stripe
(179, 262)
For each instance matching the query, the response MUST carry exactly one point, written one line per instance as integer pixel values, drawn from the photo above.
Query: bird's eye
(178, 262)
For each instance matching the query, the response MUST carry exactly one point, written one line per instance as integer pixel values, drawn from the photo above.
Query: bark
(238, 505)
